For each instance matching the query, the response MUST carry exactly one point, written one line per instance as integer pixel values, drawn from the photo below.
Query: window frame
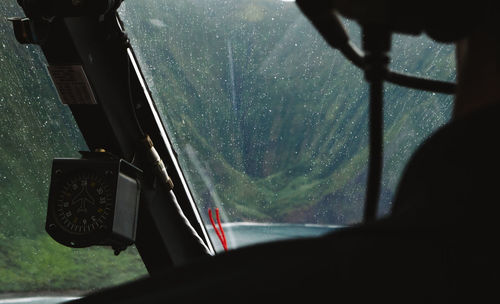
(100, 45)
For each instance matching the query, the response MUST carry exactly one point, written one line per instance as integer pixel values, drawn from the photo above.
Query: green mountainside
(268, 121)
(274, 117)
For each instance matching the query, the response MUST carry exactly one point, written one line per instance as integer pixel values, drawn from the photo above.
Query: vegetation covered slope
(274, 117)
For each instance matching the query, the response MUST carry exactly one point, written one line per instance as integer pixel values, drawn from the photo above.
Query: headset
(445, 21)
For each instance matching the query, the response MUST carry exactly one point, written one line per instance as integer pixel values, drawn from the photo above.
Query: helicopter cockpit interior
(240, 151)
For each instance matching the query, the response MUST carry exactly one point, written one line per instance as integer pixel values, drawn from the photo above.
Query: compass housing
(93, 201)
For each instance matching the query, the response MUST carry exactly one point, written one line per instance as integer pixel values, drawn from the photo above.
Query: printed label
(72, 84)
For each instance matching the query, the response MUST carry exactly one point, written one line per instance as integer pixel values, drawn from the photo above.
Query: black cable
(418, 83)
(376, 43)
(375, 158)
(352, 53)
(131, 99)
(356, 56)
(199, 244)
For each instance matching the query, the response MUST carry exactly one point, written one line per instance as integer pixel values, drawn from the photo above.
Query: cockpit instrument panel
(93, 201)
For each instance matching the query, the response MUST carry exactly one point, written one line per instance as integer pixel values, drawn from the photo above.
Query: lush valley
(275, 119)
(270, 124)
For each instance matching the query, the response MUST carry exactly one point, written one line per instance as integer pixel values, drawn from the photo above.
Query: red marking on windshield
(220, 234)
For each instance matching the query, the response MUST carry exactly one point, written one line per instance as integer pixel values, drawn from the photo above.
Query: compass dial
(84, 204)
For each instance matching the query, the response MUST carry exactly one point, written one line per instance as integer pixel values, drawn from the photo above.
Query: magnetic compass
(84, 203)
(93, 201)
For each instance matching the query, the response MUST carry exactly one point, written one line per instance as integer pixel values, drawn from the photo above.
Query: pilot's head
(478, 71)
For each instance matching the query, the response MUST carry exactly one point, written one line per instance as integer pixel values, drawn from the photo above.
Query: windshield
(36, 127)
(270, 124)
